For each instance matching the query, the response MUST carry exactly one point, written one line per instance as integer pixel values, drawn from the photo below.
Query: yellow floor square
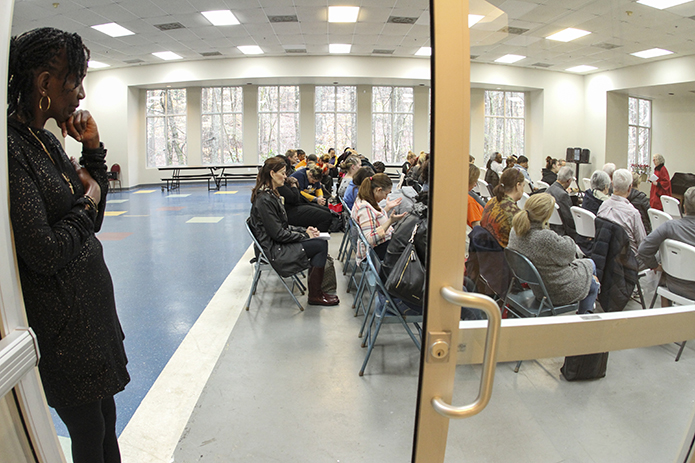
(114, 213)
(205, 219)
(226, 192)
(140, 192)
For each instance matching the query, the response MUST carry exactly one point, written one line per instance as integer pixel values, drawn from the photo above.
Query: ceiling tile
(251, 16)
(516, 9)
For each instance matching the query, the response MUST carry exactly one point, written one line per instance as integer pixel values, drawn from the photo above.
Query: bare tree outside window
(504, 123)
(639, 133)
(392, 123)
(278, 120)
(222, 125)
(166, 127)
(336, 117)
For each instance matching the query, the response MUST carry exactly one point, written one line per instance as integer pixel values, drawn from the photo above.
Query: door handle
(494, 317)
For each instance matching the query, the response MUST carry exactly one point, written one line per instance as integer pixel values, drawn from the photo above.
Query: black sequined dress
(67, 288)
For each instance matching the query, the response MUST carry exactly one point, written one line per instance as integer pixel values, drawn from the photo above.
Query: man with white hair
(558, 190)
(618, 209)
(682, 230)
(609, 168)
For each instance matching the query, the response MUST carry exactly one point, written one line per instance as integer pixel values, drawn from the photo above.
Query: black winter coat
(549, 176)
(590, 202)
(616, 265)
(280, 241)
(401, 236)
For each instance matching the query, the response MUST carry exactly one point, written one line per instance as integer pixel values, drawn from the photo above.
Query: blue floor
(165, 271)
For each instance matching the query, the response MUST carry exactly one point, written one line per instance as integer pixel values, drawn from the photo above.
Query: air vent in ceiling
(133, 61)
(211, 53)
(285, 18)
(401, 20)
(169, 26)
(607, 46)
(380, 51)
(541, 65)
(513, 30)
(474, 57)
(691, 91)
(295, 50)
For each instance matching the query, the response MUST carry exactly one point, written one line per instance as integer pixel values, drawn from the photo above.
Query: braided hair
(36, 51)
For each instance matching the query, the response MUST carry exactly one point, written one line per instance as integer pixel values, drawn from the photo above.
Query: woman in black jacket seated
(290, 249)
(300, 212)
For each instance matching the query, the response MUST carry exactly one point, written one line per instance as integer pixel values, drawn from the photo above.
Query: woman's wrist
(90, 203)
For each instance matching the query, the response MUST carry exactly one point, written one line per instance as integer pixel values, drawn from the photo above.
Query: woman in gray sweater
(567, 279)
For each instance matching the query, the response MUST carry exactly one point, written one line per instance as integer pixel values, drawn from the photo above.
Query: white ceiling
(627, 25)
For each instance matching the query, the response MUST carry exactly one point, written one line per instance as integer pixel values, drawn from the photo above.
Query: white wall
(674, 122)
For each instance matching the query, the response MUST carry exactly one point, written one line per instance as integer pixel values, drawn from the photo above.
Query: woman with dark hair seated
(499, 211)
(349, 167)
(354, 185)
(301, 212)
(290, 249)
(309, 184)
(550, 170)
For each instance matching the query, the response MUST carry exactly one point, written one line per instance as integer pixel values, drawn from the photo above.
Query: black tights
(316, 250)
(92, 429)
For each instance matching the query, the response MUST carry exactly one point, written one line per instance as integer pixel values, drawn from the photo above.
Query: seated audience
(354, 185)
(424, 178)
(350, 166)
(332, 163)
(309, 180)
(619, 210)
(550, 170)
(495, 163)
(475, 210)
(682, 230)
(522, 166)
(290, 249)
(379, 167)
(301, 212)
(511, 161)
(411, 161)
(594, 197)
(641, 202)
(491, 176)
(558, 190)
(661, 185)
(413, 175)
(301, 155)
(500, 210)
(609, 168)
(567, 279)
(374, 221)
(291, 155)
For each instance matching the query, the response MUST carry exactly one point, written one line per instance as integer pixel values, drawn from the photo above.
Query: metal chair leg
(680, 351)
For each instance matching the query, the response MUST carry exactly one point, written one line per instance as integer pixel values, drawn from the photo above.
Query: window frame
(505, 118)
(633, 145)
(277, 112)
(167, 116)
(396, 155)
(222, 135)
(335, 112)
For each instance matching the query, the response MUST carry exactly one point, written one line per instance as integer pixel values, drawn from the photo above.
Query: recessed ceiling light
(662, 4)
(582, 68)
(651, 53)
(424, 51)
(97, 64)
(568, 35)
(167, 55)
(474, 19)
(343, 14)
(339, 48)
(250, 49)
(113, 29)
(221, 17)
(509, 59)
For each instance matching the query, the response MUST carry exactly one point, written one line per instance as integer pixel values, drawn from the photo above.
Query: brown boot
(316, 296)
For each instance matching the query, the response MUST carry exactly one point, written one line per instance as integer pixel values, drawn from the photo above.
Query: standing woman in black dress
(56, 206)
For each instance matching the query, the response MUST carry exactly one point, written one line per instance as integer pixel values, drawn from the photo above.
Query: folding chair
(345, 241)
(657, 217)
(584, 222)
(483, 189)
(525, 304)
(382, 313)
(261, 261)
(671, 206)
(522, 201)
(540, 184)
(676, 260)
(587, 183)
(555, 219)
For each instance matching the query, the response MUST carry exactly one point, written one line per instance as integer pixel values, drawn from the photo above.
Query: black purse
(407, 279)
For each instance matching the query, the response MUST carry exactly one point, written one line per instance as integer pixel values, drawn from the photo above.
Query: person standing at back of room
(56, 206)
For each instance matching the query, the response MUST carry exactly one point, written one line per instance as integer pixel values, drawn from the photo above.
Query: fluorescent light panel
(568, 35)
(250, 49)
(339, 48)
(662, 4)
(221, 17)
(97, 64)
(343, 14)
(582, 68)
(473, 19)
(651, 53)
(167, 55)
(424, 51)
(113, 29)
(509, 59)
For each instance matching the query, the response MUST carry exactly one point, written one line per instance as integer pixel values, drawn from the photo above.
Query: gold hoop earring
(48, 106)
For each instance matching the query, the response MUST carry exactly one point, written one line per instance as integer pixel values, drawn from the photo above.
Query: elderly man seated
(618, 209)
(558, 190)
(682, 230)
(593, 198)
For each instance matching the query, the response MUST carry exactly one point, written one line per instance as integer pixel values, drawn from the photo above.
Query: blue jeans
(587, 304)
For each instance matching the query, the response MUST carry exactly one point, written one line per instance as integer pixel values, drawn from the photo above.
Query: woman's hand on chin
(82, 127)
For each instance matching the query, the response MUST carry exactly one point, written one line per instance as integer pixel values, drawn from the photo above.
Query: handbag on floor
(581, 367)
(407, 278)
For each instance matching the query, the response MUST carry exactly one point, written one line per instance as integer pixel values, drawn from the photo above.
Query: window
(504, 123)
(639, 133)
(278, 120)
(392, 123)
(222, 125)
(336, 118)
(166, 127)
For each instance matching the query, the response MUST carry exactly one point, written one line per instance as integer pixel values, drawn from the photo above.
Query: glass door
(641, 411)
